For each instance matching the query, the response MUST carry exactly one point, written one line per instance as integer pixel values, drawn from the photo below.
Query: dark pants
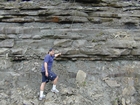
(51, 76)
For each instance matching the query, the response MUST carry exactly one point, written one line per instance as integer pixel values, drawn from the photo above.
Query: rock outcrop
(104, 31)
(99, 37)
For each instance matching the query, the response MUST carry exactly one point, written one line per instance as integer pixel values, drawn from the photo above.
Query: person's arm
(46, 68)
(56, 55)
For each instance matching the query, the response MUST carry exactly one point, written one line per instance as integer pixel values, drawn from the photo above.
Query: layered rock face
(99, 37)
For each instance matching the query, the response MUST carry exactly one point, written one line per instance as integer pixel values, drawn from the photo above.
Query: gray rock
(81, 77)
(35, 101)
(97, 50)
(103, 14)
(67, 35)
(118, 52)
(62, 43)
(1, 17)
(122, 4)
(68, 91)
(135, 52)
(29, 12)
(25, 36)
(3, 102)
(97, 96)
(31, 30)
(128, 101)
(121, 43)
(17, 51)
(84, 32)
(79, 43)
(75, 19)
(71, 13)
(50, 96)
(12, 36)
(123, 101)
(37, 37)
(11, 30)
(26, 102)
(129, 91)
(29, 5)
(112, 83)
(47, 33)
(94, 1)
(77, 100)
(15, 20)
(69, 51)
(131, 81)
(50, 103)
(115, 102)
(2, 31)
(3, 51)
(8, 43)
(48, 12)
(2, 36)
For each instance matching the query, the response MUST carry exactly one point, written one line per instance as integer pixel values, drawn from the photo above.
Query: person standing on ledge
(47, 73)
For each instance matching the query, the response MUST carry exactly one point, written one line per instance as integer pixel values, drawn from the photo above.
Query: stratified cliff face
(99, 37)
(105, 31)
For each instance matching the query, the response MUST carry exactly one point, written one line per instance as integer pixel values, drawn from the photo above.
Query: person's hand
(59, 53)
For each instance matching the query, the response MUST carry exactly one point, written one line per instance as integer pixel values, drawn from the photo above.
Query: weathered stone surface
(77, 99)
(3, 102)
(29, 5)
(129, 91)
(79, 43)
(12, 36)
(68, 91)
(1, 17)
(121, 44)
(94, 1)
(1, 30)
(31, 30)
(71, 13)
(123, 101)
(81, 77)
(3, 51)
(105, 15)
(48, 12)
(37, 36)
(62, 43)
(67, 35)
(5, 64)
(135, 52)
(8, 43)
(109, 1)
(112, 83)
(15, 20)
(75, 19)
(2, 36)
(85, 34)
(47, 33)
(97, 50)
(119, 52)
(70, 51)
(25, 36)
(11, 30)
(18, 51)
(28, 13)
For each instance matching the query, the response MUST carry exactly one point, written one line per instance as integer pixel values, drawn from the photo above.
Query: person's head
(51, 51)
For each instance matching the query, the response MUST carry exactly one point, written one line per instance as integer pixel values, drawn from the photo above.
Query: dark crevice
(130, 25)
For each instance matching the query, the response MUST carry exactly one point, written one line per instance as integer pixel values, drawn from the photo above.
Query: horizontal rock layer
(101, 31)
